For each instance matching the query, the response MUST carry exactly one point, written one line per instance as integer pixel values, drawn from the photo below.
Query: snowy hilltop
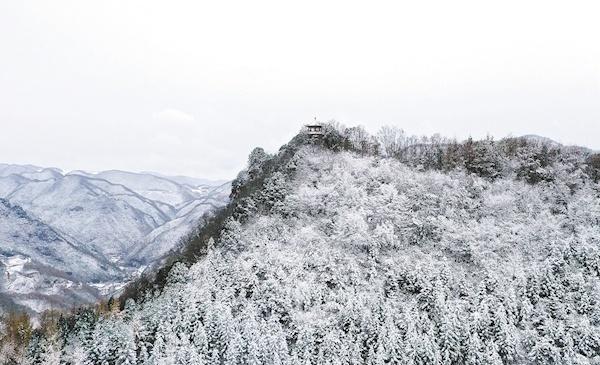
(354, 249)
(67, 239)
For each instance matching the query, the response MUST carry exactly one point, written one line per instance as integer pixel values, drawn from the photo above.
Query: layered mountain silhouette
(122, 221)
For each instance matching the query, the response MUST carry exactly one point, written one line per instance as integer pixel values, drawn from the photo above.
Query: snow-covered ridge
(350, 258)
(481, 252)
(120, 220)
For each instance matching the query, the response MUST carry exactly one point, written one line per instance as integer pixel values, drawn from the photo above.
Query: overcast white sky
(190, 87)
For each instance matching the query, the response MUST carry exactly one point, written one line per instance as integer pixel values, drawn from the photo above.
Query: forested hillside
(359, 249)
(68, 239)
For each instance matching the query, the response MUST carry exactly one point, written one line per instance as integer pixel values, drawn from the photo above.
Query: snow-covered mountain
(41, 266)
(479, 252)
(9, 169)
(121, 220)
(149, 186)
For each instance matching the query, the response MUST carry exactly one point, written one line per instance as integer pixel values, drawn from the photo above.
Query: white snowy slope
(343, 257)
(149, 186)
(40, 267)
(160, 241)
(335, 254)
(9, 169)
(124, 218)
(189, 181)
(104, 217)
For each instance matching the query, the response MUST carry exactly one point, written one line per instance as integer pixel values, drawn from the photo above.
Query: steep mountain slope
(117, 224)
(159, 241)
(42, 266)
(9, 169)
(149, 186)
(106, 218)
(112, 213)
(188, 181)
(351, 258)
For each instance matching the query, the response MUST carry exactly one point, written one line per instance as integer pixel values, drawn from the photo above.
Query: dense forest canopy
(360, 249)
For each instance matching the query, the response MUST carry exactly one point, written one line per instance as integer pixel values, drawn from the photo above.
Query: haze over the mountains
(189, 87)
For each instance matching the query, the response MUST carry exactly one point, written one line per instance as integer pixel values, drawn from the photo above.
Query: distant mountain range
(67, 238)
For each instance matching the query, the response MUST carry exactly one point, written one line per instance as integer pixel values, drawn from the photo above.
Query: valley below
(68, 239)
